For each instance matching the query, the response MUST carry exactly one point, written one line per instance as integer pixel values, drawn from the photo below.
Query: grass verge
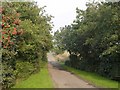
(93, 78)
(41, 79)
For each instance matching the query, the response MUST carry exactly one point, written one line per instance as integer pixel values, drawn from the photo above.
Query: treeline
(25, 40)
(93, 39)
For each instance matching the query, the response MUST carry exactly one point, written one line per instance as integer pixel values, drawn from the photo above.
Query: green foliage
(93, 39)
(41, 79)
(8, 76)
(57, 50)
(24, 69)
(28, 28)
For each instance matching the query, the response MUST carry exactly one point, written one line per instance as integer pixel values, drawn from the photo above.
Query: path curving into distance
(62, 78)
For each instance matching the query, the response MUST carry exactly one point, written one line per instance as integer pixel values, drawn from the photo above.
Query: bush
(109, 68)
(68, 63)
(23, 37)
(24, 69)
(8, 76)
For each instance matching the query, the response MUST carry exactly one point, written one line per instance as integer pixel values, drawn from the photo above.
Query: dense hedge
(26, 39)
(93, 39)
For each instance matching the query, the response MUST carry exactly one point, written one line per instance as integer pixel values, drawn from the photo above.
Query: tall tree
(93, 39)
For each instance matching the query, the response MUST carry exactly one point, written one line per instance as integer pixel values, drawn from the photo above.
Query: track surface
(62, 78)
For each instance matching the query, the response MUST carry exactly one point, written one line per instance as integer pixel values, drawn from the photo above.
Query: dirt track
(62, 78)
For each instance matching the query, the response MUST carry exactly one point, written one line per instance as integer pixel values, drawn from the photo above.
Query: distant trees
(25, 40)
(93, 40)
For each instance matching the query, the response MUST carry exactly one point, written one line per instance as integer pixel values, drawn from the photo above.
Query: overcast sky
(64, 11)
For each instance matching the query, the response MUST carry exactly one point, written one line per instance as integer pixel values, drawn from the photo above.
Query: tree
(93, 39)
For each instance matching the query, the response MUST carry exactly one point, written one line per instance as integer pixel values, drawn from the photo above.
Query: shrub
(8, 76)
(24, 69)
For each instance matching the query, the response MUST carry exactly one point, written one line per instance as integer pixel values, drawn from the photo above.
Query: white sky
(64, 11)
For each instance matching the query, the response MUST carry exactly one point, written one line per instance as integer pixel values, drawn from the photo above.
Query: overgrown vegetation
(93, 39)
(25, 40)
